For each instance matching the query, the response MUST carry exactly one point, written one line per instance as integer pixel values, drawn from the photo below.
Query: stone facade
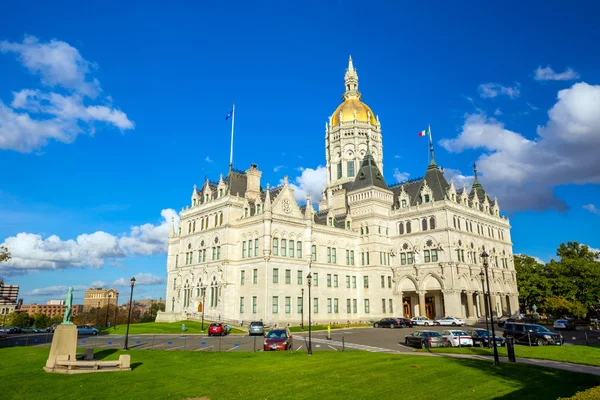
(99, 298)
(242, 252)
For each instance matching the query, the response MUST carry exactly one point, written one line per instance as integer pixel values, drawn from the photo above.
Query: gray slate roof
(369, 175)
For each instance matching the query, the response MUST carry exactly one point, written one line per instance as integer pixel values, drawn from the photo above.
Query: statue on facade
(68, 304)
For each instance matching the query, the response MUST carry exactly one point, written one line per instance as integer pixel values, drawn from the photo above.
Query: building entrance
(430, 307)
(406, 307)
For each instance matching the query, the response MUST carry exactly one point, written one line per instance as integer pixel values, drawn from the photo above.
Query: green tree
(57, 319)
(532, 281)
(41, 321)
(4, 254)
(559, 306)
(21, 319)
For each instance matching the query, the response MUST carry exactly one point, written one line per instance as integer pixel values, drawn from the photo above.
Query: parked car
(387, 323)
(503, 321)
(3, 334)
(86, 330)
(406, 321)
(12, 330)
(256, 328)
(424, 339)
(421, 321)
(217, 328)
(30, 330)
(482, 336)
(531, 333)
(278, 339)
(449, 321)
(458, 338)
(564, 324)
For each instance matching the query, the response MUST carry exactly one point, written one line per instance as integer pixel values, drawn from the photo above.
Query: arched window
(275, 246)
(455, 222)
(216, 220)
(401, 228)
(471, 226)
(220, 218)
(194, 226)
(432, 223)
(362, 232)
(408, 227)
(366, 230)
(424, 224)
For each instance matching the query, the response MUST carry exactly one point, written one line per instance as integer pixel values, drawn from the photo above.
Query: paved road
(369, 339)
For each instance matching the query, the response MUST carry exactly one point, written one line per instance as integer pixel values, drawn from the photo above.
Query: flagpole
(430, 142)
(231, 148)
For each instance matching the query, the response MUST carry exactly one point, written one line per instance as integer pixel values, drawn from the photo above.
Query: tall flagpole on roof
(432, 159)
(231, 148)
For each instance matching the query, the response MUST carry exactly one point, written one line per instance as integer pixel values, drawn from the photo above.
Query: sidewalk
(584, 369)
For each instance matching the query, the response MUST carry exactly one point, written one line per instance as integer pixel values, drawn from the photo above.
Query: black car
(406, 321)
(531, 334)
(388, 323)
(425, 339)
(481, 338)
(502, 322)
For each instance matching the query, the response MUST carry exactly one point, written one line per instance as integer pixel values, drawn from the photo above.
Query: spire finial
(475, 170)
(476, 183)
(351, 82)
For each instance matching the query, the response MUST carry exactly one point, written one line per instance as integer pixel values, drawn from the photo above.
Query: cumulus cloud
(498, 112)
(34, 117)
(548, 74)
(208, 159)
(522, 172)
(278, 168)
(31, 252)
(311, 181)
(400, 176)
(491, 90)
(141, 279)
(458, 178)
(592, 208)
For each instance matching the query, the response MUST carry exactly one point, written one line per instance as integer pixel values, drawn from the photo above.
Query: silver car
(256, 328)
(86, 330)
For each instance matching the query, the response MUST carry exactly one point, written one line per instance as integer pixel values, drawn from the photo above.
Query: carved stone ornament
(286, 206)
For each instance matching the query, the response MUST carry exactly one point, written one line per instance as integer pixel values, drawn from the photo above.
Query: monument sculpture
(69, 310)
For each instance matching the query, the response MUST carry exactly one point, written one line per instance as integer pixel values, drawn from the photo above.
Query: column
(421, 294)
(514, 304)
(503, 302)
(481, 304)
(470, 308)
(452, 303)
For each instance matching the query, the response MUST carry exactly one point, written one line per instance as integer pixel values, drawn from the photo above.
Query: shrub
(590, 394)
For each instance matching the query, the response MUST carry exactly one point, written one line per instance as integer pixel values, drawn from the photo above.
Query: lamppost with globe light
(485, 257)
(485, 306)
(309, 282)
(129, 317)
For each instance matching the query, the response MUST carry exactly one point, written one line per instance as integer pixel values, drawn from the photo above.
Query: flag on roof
(424, 133)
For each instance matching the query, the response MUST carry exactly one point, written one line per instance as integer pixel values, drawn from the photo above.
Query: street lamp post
(98, 314)
(309, 282)
(116, 309)
(485, 256)
(129, 317)
(302, 309)
(107, 308)
(485, 306)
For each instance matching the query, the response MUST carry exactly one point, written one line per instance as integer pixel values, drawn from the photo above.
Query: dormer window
(206, 198)
(194, 202)
(426, 198)
(330, 221)
(220, 193)
(245, 211)
(348, 225)
(403, 203)
(258, 208)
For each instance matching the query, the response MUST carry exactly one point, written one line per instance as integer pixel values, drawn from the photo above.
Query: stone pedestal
(64, 343)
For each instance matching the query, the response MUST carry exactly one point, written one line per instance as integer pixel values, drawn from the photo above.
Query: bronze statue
(68, 311)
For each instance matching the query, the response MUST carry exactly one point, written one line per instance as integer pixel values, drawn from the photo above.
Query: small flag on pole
(229, 115)
(425, 132)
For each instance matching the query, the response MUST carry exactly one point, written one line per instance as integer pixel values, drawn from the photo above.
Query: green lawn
(285, 375)
(587, 355)
(162, 327)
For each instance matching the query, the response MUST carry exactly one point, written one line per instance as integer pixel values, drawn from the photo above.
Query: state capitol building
(242, 251)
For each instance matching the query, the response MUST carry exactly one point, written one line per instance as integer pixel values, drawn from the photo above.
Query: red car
(218, 329)
(278, 339)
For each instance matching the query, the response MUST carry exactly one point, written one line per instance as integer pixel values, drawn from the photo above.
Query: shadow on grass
(102, 354)
(535, 382)
(135, 365)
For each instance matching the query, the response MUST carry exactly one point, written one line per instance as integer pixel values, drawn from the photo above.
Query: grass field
(285, 375)
(161, 327)
(587, 355)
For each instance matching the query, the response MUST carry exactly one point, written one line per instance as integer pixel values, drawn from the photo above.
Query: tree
(21, 319)
(41, 321)
(4, 254)
(57, 319)
(532, 281)
(559, 306)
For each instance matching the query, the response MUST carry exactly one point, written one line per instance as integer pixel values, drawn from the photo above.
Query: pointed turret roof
(477, 189)
(369, 175)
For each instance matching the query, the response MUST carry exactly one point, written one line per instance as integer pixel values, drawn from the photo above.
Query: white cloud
(491, 90)
(59, 290)
(522, 172)
(497, 112)
(35, 117)
(141, 279)
(400, 176)
(57, 63)
(277, 168)
(397, 156)
(458, 178)
(548, 74)
(592, 208)
(31, 252)
(208, 159)
(311, 181)
(532, 106)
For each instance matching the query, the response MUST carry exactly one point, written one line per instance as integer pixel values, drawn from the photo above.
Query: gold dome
(353, 109)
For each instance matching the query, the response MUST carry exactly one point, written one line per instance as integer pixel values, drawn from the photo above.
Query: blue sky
(110, 113)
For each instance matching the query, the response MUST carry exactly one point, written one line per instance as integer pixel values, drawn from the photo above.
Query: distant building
(56, 302)
(8, 297)
(99, 297)
(50, 310)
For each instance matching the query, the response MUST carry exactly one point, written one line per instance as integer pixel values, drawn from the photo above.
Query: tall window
(427, 256)
(241, 305)
(367, 308)
(242, 277)
(408, 227)
(434, 256)
(391, 303)
(256, 247)
(254, 303)
(333, 256)
(275, 246)
(275, 304)
(283, 247)
(316, 305)
(401, 228)
(255, 276)
(329, 305)
(336, 308)
(329, 254)
(354, 282)
(389, 282)
(313, 253)
(432, 224)
(299, 249)
(275, 275)
(347, 281)
(424, 224)
(383, 306)
(382, 281)
(288, 276)
(300, 274)
(250, 248)
(350, 168)
(354, 306)
(335, 278)
(291, 253)
(403, 203)
(288, 305)
(366, 282)
(348, 306)
(300, 304)
(316, 279)
(351, 257)
(328, 280)
(339, 170)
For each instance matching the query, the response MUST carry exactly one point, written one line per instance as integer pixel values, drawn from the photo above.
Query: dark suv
(531, 333)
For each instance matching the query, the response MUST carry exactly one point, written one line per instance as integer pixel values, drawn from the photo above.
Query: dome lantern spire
(351, 82)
